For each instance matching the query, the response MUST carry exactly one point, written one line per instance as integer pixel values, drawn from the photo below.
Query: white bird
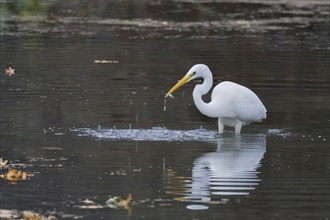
(234, 105)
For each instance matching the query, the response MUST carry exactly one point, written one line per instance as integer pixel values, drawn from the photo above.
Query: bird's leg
(238, 127)
(221, 126)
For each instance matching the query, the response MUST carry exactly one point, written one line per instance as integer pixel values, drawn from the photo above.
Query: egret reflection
(232, 170)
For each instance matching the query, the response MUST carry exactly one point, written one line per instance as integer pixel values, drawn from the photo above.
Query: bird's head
(197, 71)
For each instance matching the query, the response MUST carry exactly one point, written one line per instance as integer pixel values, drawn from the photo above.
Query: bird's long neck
(199, 91)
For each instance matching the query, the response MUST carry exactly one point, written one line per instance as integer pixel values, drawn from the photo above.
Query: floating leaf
(16, 175)
(29, 215)
(9, 70)
(3, 163)
(8, 214)
(117, 202)
(24, 215)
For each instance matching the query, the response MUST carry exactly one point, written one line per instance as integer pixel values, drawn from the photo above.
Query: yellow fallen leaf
(117, 202)
(127, 201)
(15, 175)
(29, 215)
(11, 175)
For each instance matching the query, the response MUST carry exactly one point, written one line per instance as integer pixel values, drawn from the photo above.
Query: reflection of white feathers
(231, 170)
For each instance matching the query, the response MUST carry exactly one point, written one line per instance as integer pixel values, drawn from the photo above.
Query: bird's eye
(192, 74)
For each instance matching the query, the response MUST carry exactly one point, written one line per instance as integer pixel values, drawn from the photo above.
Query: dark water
(88, 130)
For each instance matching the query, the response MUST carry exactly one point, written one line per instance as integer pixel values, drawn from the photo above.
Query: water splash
(153, 134)
(165, 102)
(165, 105)
(163, 134)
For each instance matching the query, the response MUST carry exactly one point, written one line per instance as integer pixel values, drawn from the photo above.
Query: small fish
(170, 95)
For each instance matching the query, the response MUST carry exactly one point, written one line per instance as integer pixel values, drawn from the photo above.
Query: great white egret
(234, 105)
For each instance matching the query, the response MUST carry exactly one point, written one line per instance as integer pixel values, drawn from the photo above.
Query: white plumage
(234, 105)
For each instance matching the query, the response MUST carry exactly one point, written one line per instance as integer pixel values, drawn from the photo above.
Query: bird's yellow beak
(183, 81)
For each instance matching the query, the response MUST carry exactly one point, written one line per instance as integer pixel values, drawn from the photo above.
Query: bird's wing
(235, 101)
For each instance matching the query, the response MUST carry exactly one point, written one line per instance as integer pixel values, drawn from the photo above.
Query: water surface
(89, 131)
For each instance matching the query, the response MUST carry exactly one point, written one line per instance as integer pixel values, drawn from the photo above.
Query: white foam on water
(164, 134)
(153, 134)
